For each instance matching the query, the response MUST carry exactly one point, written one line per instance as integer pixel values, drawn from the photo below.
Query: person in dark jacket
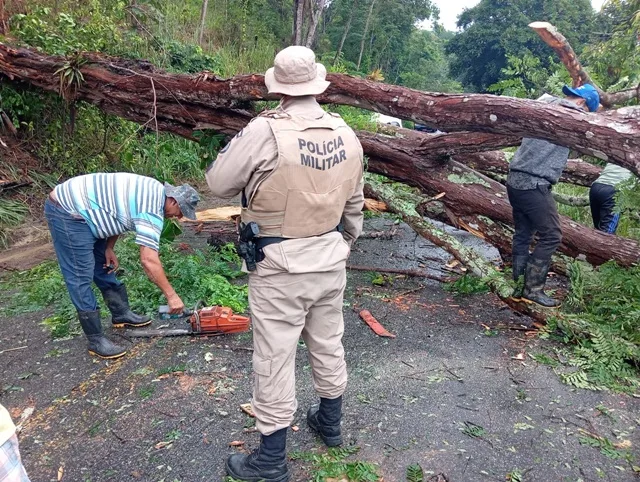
(535, 168)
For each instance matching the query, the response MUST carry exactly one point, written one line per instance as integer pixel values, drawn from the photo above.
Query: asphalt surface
(456, 391)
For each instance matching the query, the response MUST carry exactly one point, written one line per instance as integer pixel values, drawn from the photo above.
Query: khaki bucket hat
(295, 72)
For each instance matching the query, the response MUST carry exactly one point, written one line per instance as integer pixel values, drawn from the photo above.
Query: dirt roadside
(165, 413)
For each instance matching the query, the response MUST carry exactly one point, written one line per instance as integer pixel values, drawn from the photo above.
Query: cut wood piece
(248, 409)
(225, 213)
(554, 39)
(374, 205)
(375, 325)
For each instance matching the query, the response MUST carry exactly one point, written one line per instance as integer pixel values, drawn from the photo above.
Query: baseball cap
(186, 197)
(295, 72)
(588, 92)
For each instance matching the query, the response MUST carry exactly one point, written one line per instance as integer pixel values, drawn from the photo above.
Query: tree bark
(203, 19)
(180, 104)
(298, 21)
(577, 172)
(364, 34)
(478, 203)
(186, 102)
(346, 31)
(316, 15)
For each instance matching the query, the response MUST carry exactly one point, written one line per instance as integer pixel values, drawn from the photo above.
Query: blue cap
(588, 92)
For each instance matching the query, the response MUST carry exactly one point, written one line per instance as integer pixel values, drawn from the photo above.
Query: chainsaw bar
(159, 332)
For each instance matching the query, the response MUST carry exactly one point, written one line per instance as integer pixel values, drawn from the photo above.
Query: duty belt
(267, 240)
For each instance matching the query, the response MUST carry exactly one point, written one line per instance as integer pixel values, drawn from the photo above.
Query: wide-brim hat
(186, 197)
(295, 72)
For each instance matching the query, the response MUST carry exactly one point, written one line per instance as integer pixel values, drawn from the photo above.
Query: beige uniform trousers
(297, 290)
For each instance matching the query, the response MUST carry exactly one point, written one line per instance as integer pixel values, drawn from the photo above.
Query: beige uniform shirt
(253, 153)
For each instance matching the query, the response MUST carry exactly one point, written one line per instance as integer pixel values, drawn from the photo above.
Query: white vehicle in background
(387, 119)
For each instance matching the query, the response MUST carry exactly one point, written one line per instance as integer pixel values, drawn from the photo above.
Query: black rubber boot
(268, 463)
(519, 267)
(99, 344)
(117, 301)
(534, 281)
(325, 420)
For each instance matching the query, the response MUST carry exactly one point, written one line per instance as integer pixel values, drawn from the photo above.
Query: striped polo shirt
(112, 204)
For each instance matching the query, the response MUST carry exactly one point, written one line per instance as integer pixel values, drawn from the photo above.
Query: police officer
(300, 171)
(535, 168)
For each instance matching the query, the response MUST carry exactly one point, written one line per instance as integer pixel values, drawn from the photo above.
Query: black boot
(534, 280)
(268, 463)
(99, 344)
(519, 268)
(117, 301)
(325, 420)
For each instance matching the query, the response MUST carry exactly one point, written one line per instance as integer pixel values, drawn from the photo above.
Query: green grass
(196, 275)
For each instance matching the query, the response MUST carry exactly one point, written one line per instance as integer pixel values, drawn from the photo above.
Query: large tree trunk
(495, 162)
(478, 202)
(347, 27)
(186, 102)
(179, 104)
(364, 34)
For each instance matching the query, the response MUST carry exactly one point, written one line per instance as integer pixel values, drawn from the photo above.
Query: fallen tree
(182, 103)
(577, 172)
(178, 104)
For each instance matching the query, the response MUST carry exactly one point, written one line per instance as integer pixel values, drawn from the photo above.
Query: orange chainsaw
(208, 321)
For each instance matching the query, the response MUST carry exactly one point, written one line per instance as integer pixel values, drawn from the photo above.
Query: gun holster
(247, 249)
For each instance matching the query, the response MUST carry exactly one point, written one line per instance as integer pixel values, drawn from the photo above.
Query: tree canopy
(495, 29)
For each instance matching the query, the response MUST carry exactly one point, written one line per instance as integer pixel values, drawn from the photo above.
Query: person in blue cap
(535, 168)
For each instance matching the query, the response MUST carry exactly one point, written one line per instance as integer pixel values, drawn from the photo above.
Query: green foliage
(607, 448)
(196, 276)
(415, 473)
(526, 77)
(602, 325)
(333, 464)
(613, 57)
(473, 430)
(468, 285)
(63, 34)
(494, 29)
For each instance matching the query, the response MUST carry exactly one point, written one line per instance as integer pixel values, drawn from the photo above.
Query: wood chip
(236, 443)
(246, 408)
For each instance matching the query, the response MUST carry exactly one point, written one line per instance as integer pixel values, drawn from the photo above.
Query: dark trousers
(535, 211)
(603, 203)
(81, 256)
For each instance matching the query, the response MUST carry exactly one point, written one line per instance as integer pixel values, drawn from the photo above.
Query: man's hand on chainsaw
(112, 263)
(176, 306)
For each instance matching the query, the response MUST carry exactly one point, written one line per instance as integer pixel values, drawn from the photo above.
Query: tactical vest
(319, 168)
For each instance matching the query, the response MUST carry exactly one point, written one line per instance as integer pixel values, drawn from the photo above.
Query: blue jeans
(81, 256)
